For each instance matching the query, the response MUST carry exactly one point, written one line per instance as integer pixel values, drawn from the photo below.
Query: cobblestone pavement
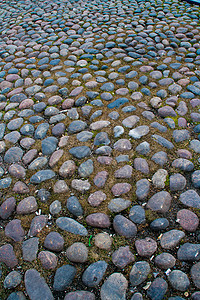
(99, 150)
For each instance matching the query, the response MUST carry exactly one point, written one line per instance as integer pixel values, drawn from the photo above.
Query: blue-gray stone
(14, 154)
(2, 130)
(108, 87)
(74, 206)
(71, 225)
(76, 126)
(49, 145)
(117, 103)
(86, 168)
(27, 129)
(159, 224)
(189, 252)
(196, 179)
(12, 280)
(139, 273)
(80, 151)
(93, 275)
(162, 141)
(41, 131)
(63, 277)
(36, 286)
(157, 289)
(190, 198)
(137, 214)
(41, 176)
(16, 296)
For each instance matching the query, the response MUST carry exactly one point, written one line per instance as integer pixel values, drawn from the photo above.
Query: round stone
(77, 253)
(54, 242)
(179, 280)
(103, 241)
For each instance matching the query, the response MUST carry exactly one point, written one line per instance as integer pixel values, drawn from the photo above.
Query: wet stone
(195, 274)
(77, 253)
(165, 261)
(122, 257)
(190, 198)
(179, 280)
(159, 224)
(12, 280)
(171, 239)
(93, 275)
(124, 227)
(63, 277)
(139, 273)
(189, 252)
(157, 289)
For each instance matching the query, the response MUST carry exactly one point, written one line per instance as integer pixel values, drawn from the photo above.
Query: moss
(167, 181)
(150, 215)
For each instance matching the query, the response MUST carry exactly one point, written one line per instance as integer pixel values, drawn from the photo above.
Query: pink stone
(101, 178)
(48, 260)
(96, 198)
(188, 220)
(55, 157)
(104, 160)
(20, 187)
(182, 122)
(68, 103)
(27, 103)
(7, 255)
(15, 231)
(120, 188)
(184, 153)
